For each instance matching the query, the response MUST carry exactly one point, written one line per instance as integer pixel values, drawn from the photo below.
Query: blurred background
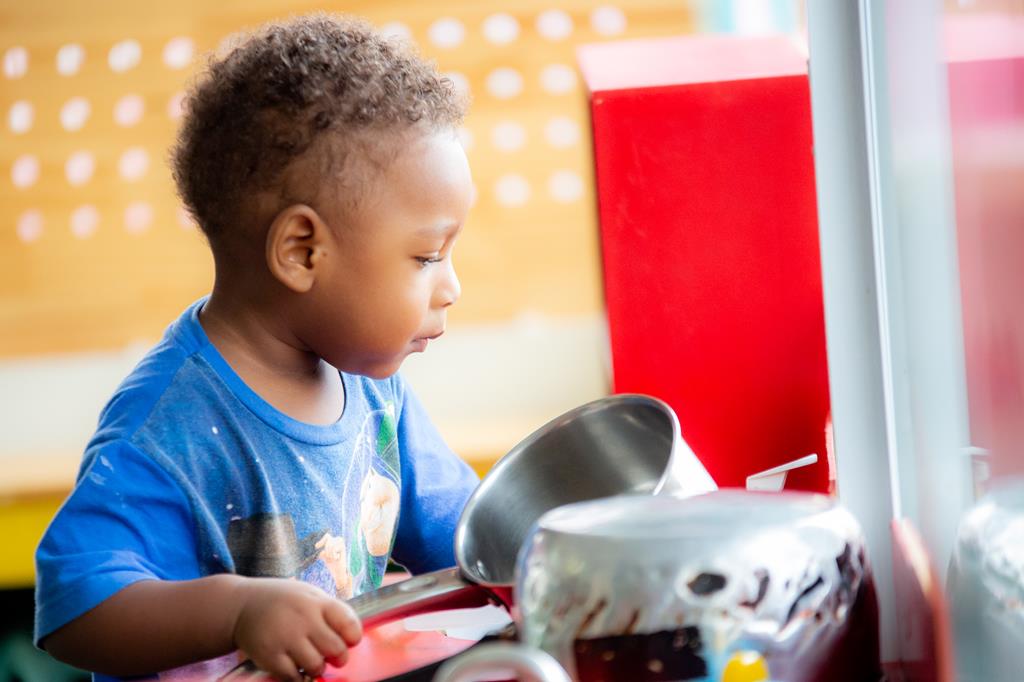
(98, 255)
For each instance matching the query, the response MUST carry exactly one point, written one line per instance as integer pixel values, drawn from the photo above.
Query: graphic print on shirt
(375, 497)
(346, 560)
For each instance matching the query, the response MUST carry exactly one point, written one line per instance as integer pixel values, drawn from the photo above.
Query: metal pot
(658, 588)
(611, 446)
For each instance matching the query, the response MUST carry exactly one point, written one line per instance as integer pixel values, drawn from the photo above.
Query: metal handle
(437, 591)
(528, 663)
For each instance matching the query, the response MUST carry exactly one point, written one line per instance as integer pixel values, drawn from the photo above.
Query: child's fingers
(281, 667)
(330, 645)
(338, 661)
(307, 658)
(344, 621)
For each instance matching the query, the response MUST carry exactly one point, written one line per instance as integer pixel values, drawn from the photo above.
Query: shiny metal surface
(985, 586)
(782, 575)
(615, 445)
(444, 589)
(528, 664)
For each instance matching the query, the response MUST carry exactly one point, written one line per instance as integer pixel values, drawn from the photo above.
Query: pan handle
(437, 591)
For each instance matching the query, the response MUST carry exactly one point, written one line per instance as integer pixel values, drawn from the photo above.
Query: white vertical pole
(867, 482)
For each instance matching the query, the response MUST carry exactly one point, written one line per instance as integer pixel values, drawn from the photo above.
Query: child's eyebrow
(437, 230)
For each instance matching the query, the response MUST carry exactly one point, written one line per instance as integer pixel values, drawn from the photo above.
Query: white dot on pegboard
(178, 52)
(501, 29)
(562, 131)
(565, 186)
(458, 80)
(512, 190)
(124, 55)
(15, 62)
(554, 24)
(79, 168)
(25, 171)
(397, 30)
(133, 164)
(84, 221)
(30, 226)
(69, 59)
(137, 217)
(74, 113)
(447, 32)
(20, 117)
(558, 79)
(508, 136)
(176, 105)
(608, 20)
(465, 138)
(128, 110)
(504, 83)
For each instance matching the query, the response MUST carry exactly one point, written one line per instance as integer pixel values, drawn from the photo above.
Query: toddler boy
(264, 460)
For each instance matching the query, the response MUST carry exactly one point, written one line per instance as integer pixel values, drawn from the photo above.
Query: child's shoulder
(150, 380)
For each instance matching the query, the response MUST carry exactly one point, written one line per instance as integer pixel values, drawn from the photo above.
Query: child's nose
(449, 289)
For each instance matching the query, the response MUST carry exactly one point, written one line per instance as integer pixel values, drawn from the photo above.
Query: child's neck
(271, 361)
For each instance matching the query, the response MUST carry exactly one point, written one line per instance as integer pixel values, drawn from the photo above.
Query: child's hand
(286, 626)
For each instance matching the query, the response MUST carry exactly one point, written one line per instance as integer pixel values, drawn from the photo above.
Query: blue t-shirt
(191, 473)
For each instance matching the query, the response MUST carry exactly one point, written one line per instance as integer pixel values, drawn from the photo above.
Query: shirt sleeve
(126, 520)
(435, 486)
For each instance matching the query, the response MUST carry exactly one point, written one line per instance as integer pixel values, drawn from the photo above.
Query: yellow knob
(746, 666)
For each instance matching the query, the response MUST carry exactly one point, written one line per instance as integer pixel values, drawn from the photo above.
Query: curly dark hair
(284, 92)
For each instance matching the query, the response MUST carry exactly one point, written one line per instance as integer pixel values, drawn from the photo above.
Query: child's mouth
(420, 344)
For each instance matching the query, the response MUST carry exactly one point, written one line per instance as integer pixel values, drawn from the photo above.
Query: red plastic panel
(711, 264)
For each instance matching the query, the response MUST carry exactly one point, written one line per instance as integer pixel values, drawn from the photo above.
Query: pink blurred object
(986, 95)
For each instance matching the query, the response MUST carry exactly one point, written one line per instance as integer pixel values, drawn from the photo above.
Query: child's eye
(424, 261)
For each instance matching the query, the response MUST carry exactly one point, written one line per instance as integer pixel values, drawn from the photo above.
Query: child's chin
(382, 371)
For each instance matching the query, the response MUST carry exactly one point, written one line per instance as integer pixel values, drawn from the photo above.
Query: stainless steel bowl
(622, 444)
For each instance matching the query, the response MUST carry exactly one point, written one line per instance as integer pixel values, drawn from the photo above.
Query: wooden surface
(109, 286)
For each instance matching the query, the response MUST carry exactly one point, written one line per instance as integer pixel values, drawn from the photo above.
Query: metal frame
(890, 276)
(853, 328)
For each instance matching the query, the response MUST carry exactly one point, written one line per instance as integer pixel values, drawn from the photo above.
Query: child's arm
(151, 625)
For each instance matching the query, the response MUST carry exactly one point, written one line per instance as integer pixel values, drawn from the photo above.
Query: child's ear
(296, 243)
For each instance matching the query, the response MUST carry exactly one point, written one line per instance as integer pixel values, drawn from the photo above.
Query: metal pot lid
(714, 515)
